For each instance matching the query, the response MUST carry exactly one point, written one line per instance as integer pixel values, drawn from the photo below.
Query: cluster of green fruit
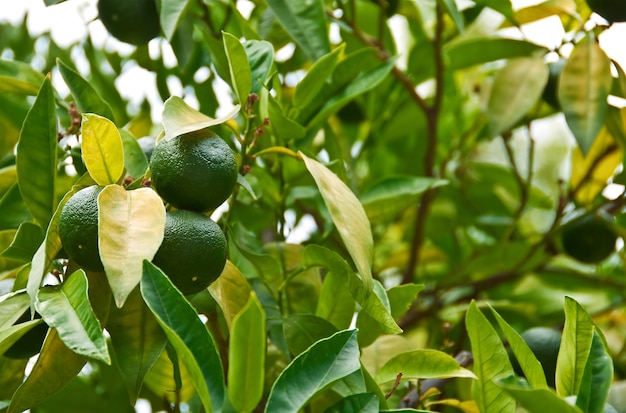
(192, 173)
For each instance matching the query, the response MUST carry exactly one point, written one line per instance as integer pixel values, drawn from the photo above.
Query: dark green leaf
(323, 363)
(302, 330)
(12, 209)
(135, 160)
(86, 97)
(467, 53)
(37, 156)
(240, 74)
(535, 400)
(261, 59)
(187, 334)
(137, 341)
(597, 378)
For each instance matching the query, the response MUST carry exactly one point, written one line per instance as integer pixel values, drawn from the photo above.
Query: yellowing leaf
(102, 149)
(130, 228)
(596, 167)
(348, 215)
(231, 291)
(179, 118)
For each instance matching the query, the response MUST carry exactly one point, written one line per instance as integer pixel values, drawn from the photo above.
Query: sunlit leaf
(186, 333)
(490, 363)
(565, 8)
(575, 347)
(36, 158)
(535, 400)
(323, 363)
(131, 225)
(421, 364)
(356, 403)
(261, 59)
(160, 381)
(102, 149)
(231, 291)
(528, 362)
(516, 88)
(180, 118)
(348, 216)
(316, 77)
(246, 361)
(66, 308)
(583, 88)
(591, 172)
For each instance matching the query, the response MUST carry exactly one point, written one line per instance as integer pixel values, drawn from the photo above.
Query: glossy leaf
(137, 341)
(306, 23)
(57, 365)
(535, 400)
(246, 357)
(186, 333)
(377, 306)
(171, 12)
(516, 88)
(36, 158)
(102, 149)
(285, 129)
(323, 363)
(575, 347)
(261, 59)
(528, 362)
(240, 74)
(597, 378)
(231, 291)
(12, 208)
(180, 118)
(66, 308)
(390, 196)
(583, 88)
(86, 97)
(348, 216)
(131, 226)
(591, 172)
(490, 363)
(335, 303)
(564, 8)
(357, 403)
(421, 364)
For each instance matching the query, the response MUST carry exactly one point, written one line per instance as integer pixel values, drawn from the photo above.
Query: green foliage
(406, 194)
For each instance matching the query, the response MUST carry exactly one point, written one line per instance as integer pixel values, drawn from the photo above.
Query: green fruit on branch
(588, 239)
(544, 343)
(194, 172)
(193, 251)
(612, 11)
(131, 21)
(78, 228)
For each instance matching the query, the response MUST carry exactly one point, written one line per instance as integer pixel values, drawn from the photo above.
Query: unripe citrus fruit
(30, 343)
(193, 252)
(588, 239)
(131, 21)
(194, 172)
(78, 228)
(611, 10)
(544, 343)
